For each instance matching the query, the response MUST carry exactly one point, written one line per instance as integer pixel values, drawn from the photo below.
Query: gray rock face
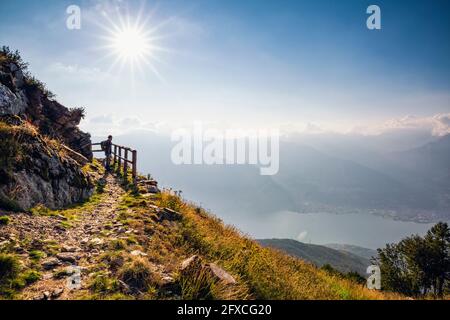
(11, 103)
(19, 97)
(34, 168)
(34, 172)
(53, 194)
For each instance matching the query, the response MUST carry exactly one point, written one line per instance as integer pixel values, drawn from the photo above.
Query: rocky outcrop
(42, 150)
(24, 96)
(10, 103)
(37, 170)
(148, 186)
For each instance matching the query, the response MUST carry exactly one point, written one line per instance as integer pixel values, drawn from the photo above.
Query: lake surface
(365, 230)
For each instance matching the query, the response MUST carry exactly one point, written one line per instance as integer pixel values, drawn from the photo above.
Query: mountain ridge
(319, 255)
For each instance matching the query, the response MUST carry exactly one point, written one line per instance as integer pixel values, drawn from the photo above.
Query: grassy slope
(262, 272)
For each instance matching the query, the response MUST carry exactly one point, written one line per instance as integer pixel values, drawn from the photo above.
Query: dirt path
(60, 246)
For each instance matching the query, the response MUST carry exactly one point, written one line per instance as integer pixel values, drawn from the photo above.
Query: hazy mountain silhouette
(319, 255)
(339, 175)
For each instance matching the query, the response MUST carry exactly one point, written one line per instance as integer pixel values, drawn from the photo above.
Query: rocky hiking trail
(118, 245)
(76, 243)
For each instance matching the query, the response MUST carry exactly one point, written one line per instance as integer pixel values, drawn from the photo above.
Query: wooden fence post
(119, 166)
(134, 172)
(122, 162)
(125, 166)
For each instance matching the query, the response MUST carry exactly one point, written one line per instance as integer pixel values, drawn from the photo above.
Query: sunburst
(131, 42)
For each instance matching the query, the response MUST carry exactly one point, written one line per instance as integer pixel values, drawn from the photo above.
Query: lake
(365, 230)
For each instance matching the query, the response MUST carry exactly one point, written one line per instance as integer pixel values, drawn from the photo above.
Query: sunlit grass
(269, 274)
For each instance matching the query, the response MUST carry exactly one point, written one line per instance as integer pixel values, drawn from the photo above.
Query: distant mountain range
(365, 253)
(333, 174)
(340, 259)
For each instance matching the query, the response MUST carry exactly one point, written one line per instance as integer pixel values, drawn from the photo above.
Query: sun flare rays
(130, 42)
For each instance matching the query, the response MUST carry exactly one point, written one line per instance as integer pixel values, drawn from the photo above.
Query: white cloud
(101, 125)
(75, 73)
(437, 125)
(130, 122)
(102, 119)
(302, 236)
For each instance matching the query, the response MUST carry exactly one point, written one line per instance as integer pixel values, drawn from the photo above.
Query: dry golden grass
(23, 129)
(267, 273)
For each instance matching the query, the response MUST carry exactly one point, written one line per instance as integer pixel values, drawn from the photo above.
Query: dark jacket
(107, 147)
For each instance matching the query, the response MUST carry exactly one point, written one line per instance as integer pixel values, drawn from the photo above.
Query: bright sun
(131, 44)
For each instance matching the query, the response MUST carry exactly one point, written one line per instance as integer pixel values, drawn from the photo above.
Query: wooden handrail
(122, 161)
(114, 145)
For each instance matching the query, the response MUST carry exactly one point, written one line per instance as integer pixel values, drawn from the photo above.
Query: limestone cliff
(42, 149)
(25, 96)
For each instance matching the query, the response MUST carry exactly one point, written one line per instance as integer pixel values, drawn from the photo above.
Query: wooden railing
(120, 158)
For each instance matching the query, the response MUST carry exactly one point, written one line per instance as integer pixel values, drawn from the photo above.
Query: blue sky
(253, 62)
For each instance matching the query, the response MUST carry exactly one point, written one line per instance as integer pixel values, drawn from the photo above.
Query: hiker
(107, 148)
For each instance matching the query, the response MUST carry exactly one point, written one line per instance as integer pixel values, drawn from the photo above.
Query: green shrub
(31, 276)
(9, 271)
(33, 82)
(118, 244)
(78, 112)
(41, 210)
(12, 56)
(352, 275)
(115, 259)
(6, 54)
(36, 255)
(4, 220)
(104, 284)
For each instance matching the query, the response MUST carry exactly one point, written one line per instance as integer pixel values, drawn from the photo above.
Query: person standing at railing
(107, 148)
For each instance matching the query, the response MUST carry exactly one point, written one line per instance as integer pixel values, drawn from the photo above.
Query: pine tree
(438, 267)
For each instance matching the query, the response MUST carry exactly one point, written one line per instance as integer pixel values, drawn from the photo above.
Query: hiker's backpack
(103, 145)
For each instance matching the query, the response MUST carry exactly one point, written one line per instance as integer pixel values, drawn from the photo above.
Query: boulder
(57, 293)
(67, 257)
(169, 215)
(191, 265)
(149, 186)
(50, 263)
(219, 274)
